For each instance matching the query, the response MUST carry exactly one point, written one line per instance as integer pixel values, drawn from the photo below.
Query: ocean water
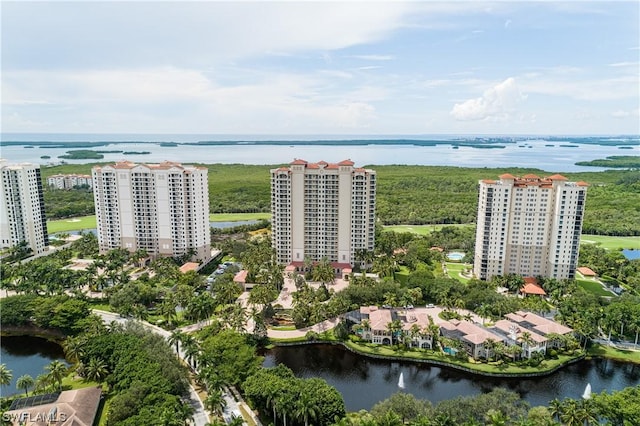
(449, 150)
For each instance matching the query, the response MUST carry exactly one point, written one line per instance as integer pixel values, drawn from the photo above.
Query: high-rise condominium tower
(322, 210)
(161, 208)
(22, 217)
(529, 226)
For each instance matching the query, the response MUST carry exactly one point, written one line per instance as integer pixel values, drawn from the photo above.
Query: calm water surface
(27, 355)
(545, 155)
(363, 381)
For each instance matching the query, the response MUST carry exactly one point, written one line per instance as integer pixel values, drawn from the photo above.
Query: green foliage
(276, 391)
(619, 161)
(427, 194)
(17, 310)
(60, 203)
(231, 354)
(146, 377)
(59, 312)
(405, 405)
(82, 154)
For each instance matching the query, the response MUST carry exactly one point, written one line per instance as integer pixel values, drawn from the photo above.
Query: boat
(401, 381)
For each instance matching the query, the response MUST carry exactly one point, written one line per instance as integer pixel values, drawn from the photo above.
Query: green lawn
(72, 224)
(89, 222)
(234, 217)
(455, 269)
(612, 243)
(593, 287)
(422, 229)
(480, 367)
(614, 353)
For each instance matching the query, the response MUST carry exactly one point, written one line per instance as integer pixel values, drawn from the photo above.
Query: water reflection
(363, 381)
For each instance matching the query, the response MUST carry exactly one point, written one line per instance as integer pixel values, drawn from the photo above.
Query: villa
(524, 329)
(473, 337)
(539, 325)
(513, 335)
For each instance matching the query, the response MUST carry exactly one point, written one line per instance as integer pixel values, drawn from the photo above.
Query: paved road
(200, 417)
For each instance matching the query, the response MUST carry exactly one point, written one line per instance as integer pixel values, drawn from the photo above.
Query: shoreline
(454, 366)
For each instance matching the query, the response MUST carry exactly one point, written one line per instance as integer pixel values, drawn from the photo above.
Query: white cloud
(495, 103)
(374, 57)
(626, 113)
(507, 23)
(624, 64)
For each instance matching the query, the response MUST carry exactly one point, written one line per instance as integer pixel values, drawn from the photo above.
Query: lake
(365, 381)
(27, 355)
(631, 254)
(552, 156)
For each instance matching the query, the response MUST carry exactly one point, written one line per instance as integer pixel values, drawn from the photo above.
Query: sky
(331, 67)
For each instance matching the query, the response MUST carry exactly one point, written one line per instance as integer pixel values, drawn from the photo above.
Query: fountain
(587, 392)
(401, 382)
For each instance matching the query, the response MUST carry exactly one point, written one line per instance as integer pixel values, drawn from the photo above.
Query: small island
(617, 161)
(45, 157)
(168, 144)
(82, 154)
(136, 152)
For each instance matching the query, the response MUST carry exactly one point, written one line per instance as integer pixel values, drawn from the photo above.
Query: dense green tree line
(285, 398)
(501, 407)
(64, 313)
(418, 194)
(61, 203)
(146, 380)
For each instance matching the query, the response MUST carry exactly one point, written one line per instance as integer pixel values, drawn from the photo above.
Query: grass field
(73, 224)
(89, 222)
(612, 243)
(614, 353)
(455, 269)
(594, 288)
(234, 217)
(422, 229)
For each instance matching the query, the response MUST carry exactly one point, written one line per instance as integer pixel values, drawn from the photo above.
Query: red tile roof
(557, 177)
(531, 288)
(507, 176)
(298, 162)
(587, 272)
(189, 266)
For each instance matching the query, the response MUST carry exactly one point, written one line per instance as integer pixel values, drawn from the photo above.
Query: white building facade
(322, 210)
(69, 181)
(529, 226)
(161, 208)
(22, 215)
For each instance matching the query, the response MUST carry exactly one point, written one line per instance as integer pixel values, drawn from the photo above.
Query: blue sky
(360, 68)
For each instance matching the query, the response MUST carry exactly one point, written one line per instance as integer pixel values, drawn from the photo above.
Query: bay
(549, 155)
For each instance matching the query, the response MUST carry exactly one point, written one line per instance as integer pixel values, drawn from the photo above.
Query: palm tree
(555, 408)
(25, 382)
(57, 371)
(73, 348)
(96, 370)
(215, 401)
(42, 382)
(306, 407)
(191, 350)
(176, 339)
(5, 375)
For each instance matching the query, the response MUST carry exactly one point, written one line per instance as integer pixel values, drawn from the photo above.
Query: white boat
(401, 381)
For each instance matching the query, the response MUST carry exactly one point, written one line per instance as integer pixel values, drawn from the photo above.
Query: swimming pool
(449, 351)
(455, 255)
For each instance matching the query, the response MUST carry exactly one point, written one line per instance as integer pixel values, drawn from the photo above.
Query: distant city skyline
(347, 68)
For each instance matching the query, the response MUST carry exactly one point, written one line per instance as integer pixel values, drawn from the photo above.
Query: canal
(364, 381)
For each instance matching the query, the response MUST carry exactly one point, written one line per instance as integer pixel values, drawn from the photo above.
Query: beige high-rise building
(529, 226)
(22, 217)
(161, 208)
(322, 210)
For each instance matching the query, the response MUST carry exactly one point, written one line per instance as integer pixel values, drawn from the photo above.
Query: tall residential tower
(22, 217)
(161, 208)
(529, 226)
(322, 210)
